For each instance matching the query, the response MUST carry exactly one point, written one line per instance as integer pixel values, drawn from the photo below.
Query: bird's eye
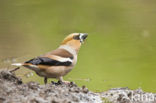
(77, 37)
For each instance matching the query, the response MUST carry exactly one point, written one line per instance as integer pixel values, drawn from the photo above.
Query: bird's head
(75, 40)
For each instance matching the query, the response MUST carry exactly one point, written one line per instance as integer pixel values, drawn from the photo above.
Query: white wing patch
(62, 59)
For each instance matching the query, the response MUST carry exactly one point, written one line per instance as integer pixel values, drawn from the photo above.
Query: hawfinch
(59, 62)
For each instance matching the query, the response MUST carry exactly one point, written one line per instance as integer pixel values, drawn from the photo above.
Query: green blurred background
(119, 52)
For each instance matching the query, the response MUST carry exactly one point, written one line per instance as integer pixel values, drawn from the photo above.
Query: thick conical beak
(83, 36)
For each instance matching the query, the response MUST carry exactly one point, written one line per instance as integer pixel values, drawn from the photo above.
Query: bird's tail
(17, 64)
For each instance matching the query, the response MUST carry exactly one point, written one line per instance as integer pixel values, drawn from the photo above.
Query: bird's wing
(58, 57)
(60, 52)
(50, 61)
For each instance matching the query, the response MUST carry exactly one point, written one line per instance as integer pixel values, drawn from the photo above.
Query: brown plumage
(60, 52)
(59, 62)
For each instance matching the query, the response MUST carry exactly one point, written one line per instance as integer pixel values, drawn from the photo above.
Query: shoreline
(13, 90)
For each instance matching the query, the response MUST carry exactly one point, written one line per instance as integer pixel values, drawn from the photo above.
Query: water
(119, 52)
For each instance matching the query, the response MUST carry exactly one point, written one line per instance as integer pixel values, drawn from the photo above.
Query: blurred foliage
(119, 52)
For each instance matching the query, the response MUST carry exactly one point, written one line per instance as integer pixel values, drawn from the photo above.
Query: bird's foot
(68, 83)
(61, 82)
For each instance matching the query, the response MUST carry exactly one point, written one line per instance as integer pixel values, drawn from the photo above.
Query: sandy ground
(13, 90)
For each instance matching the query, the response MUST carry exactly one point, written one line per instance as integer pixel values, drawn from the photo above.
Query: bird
(59, 62)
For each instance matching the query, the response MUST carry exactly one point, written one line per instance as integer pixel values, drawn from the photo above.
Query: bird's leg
(45, 80)
(14, 69)
(61, 80)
